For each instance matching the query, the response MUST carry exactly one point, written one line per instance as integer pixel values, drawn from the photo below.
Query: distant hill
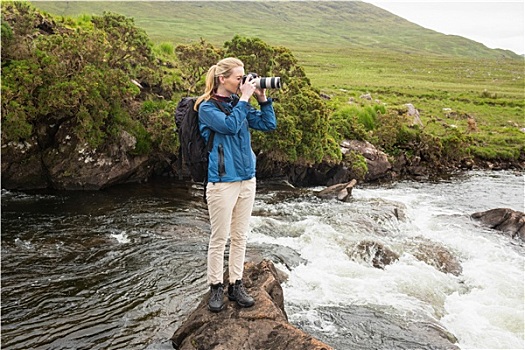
(298, 25)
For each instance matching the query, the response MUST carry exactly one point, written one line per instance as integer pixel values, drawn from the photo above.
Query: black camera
(264, 82)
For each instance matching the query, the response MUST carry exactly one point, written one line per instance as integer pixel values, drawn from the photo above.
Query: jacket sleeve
(264, 119)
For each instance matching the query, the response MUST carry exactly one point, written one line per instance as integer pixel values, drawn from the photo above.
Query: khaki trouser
(230, 207)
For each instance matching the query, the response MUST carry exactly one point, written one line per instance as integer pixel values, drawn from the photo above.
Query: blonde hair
(223, 68)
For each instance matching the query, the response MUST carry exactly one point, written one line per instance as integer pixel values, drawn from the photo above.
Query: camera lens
(264, 82)
(269, 82)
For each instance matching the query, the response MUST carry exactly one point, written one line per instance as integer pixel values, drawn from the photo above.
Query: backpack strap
(212, 133)
(220, 106)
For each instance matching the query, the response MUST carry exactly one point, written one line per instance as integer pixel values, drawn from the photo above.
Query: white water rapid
(483, 306)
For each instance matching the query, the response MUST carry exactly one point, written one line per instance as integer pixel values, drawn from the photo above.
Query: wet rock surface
(342, 192)
(369, 328)
(263, 326)
(508, 221)
(435, 254)
(374, 253)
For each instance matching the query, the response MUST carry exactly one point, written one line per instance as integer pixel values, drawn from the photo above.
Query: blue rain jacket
(232, 158)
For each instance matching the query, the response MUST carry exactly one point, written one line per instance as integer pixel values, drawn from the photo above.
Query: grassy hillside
(298, 25)
(351, 48)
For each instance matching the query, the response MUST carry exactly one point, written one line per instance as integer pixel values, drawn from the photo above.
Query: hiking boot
(236, 292)
(216, 302)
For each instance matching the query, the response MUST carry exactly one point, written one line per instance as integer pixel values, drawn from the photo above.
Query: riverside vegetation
(103, 74)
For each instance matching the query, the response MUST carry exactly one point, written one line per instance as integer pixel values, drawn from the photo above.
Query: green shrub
(359, 167)
(367, 116)
(167, 49)
(195, 60)
(144, 142)
(344, 121)
(158, 118)
(79, 76)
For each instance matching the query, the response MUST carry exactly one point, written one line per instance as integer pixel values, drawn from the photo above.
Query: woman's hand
(247, 88)
(260, 94)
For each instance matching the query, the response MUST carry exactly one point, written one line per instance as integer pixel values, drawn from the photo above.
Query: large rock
(56, 159)
(327, 173)
(374, 253)
(376, 160)
(381, 328)
(263, 326)
(434, 254)
(22, 166)
(342, 192)
(506, 220)
(414, 114)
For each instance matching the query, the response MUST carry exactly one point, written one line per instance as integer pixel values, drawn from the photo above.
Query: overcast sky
(496, 24)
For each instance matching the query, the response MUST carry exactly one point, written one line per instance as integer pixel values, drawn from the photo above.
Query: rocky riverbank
(66, 164)
(265, 325)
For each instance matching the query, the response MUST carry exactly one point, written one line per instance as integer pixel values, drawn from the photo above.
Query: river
(121, 268)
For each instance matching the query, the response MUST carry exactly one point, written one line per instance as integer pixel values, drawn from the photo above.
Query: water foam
(482, 307)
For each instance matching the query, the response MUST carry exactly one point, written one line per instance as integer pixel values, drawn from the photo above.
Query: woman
(230, 190)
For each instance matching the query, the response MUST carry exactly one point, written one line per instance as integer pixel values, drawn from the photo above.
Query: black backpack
(194, 150)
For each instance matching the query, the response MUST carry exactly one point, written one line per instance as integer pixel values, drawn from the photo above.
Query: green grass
(351, 48)
(310, 25)
(490, 90)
